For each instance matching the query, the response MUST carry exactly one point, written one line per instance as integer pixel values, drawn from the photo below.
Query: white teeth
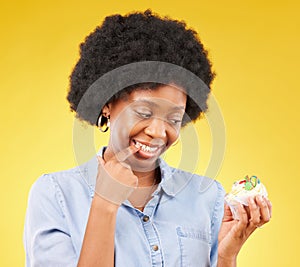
(144, 147)
(137, 145)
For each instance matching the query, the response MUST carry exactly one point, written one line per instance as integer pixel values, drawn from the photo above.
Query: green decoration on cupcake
(251, 182)
(248, 186)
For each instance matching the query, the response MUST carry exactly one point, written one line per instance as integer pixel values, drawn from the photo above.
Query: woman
(127, 207)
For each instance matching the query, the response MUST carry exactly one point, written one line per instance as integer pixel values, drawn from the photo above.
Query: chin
(139, 164)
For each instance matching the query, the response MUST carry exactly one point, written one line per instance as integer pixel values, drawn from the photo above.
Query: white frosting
(239, 194)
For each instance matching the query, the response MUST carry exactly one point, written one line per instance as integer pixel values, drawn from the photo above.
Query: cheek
(173, 135)
(122, 126)
(136, 128)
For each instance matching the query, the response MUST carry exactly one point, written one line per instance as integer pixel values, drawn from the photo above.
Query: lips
(148, 150)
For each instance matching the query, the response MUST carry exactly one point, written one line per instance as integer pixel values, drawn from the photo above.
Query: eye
(144, 115)
(175, 121)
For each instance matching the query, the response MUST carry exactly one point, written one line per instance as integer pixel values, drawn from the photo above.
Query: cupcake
(242, 190)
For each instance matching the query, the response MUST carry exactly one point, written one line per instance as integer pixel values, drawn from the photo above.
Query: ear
(106, 110)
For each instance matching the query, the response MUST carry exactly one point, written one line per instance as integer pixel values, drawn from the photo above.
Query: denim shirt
(178, 227)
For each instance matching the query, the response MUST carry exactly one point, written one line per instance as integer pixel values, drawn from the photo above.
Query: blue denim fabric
(185, 215)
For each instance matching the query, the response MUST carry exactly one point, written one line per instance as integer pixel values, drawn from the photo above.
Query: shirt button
(146, 218)
(155, 248)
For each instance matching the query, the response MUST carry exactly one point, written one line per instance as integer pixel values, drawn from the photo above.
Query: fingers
(126, 153)
(121, 156)
(260, 210)
(115, 180)
(228, 216)
(243, 220)
(248, 219)
(265, 209)
(100, 160)
(254, 210)
(269, 206)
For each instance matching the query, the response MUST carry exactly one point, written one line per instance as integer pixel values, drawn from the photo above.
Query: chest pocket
(194, 247)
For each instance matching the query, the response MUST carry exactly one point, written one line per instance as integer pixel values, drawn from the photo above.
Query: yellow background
(254, 46)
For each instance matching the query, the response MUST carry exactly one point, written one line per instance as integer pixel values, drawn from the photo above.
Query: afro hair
(136, 37)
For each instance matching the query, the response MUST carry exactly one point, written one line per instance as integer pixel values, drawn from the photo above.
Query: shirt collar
(172, 179)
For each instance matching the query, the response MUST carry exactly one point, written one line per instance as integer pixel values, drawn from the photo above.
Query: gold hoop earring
(103, 121)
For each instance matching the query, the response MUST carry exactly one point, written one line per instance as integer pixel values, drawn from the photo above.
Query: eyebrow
(151, 103)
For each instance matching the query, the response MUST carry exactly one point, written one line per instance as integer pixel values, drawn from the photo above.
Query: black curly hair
(135, 37)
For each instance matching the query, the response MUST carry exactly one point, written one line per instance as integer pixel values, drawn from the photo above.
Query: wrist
(111, 189)
(226, 261)
(103, 204)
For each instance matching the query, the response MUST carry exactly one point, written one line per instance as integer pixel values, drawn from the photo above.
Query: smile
(145, 147)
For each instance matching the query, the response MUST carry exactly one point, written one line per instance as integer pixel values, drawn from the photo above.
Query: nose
(156, 128)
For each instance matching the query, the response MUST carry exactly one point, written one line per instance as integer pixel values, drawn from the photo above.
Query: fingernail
(251, 200)
(137, 145)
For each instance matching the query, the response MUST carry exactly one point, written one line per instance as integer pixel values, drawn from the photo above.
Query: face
(148, 118)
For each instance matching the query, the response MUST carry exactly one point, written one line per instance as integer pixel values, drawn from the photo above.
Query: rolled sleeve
(46, 236)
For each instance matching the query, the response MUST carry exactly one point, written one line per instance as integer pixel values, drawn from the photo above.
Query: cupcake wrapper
(234, 202)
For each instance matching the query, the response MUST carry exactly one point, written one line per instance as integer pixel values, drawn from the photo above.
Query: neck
(146, 178)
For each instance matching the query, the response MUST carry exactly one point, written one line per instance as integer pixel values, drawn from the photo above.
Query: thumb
(228, 216)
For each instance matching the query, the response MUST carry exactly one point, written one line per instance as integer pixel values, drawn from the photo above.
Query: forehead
(166, 94)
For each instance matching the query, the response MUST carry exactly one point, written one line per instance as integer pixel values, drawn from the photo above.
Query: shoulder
(199, 182)
(204, 187)
(177, 180)
(63, 184)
